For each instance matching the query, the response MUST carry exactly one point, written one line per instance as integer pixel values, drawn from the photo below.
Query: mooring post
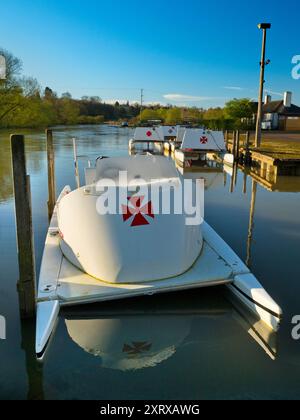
(247, 140)
(27, 280)
(51, 173)
(76, 163)
(226, 139)
(234, 145)
(238, 145)
(247, 148)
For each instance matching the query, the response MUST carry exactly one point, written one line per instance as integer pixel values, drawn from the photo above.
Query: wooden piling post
(77, 177)
(226, 139)
(51, 173)
(247, 140)
(234, 145)
(238, 138)
(247, 149)
(21, 181)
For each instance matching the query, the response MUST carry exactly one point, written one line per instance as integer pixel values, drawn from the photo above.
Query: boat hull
(63, 284)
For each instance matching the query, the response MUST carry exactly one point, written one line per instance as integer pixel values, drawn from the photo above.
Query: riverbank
(276, 142)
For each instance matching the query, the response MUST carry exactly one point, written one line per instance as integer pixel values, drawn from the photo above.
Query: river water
(188, 345)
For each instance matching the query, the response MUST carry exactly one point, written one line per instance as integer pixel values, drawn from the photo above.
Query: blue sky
(190, 52)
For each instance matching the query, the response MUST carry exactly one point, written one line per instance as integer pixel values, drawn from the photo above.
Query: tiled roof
(272, 107)
(292, 110)
(277, 106)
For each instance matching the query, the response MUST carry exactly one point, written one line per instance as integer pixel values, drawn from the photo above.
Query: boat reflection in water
(212, 175)
(148, 331)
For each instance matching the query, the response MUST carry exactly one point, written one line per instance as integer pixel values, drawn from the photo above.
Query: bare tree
(14, 90)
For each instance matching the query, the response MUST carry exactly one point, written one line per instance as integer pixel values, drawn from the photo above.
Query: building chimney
(287, 99)
(268, 99)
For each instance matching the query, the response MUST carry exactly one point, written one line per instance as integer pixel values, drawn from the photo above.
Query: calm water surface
(192, 345)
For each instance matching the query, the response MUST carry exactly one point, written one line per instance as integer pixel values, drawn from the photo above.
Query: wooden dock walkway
(279, 153)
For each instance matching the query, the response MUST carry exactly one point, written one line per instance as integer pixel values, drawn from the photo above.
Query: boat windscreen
(147, 168)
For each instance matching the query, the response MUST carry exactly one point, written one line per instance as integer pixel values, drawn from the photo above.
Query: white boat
(157, 136)
(148, 136)
(200, 145)
(169, 134)
(90, 257)
(176, 143)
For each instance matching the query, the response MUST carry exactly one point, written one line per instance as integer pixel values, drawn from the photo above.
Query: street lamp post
(142, 103)
(263, 63)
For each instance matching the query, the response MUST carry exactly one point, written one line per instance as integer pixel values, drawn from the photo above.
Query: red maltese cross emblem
(141, 213)
(149, 133)
(203, 140)
(137, 348)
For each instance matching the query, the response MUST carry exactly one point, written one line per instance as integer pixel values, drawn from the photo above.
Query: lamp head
(264, 26)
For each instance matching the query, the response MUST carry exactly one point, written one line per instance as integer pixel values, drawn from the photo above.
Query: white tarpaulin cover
(155, 133)
(148, 134)
(180, 133)
(199, 139)
(168, 131)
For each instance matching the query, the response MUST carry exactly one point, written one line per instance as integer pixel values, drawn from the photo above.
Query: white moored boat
(200, 145)
(157, 136)
(177, 142)
(91, 256)
(169, 134)
(150, 137)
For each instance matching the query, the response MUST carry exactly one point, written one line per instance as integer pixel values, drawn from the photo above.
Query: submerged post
(27, 280)
(51, 173)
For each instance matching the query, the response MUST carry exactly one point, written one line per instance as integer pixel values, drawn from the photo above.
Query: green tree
(10, 89)
(150, 114)
(66, 95)
(239, 108)
(174, 116)
(49, 94)
(214, 114)
(16, 92)
(68, 111)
